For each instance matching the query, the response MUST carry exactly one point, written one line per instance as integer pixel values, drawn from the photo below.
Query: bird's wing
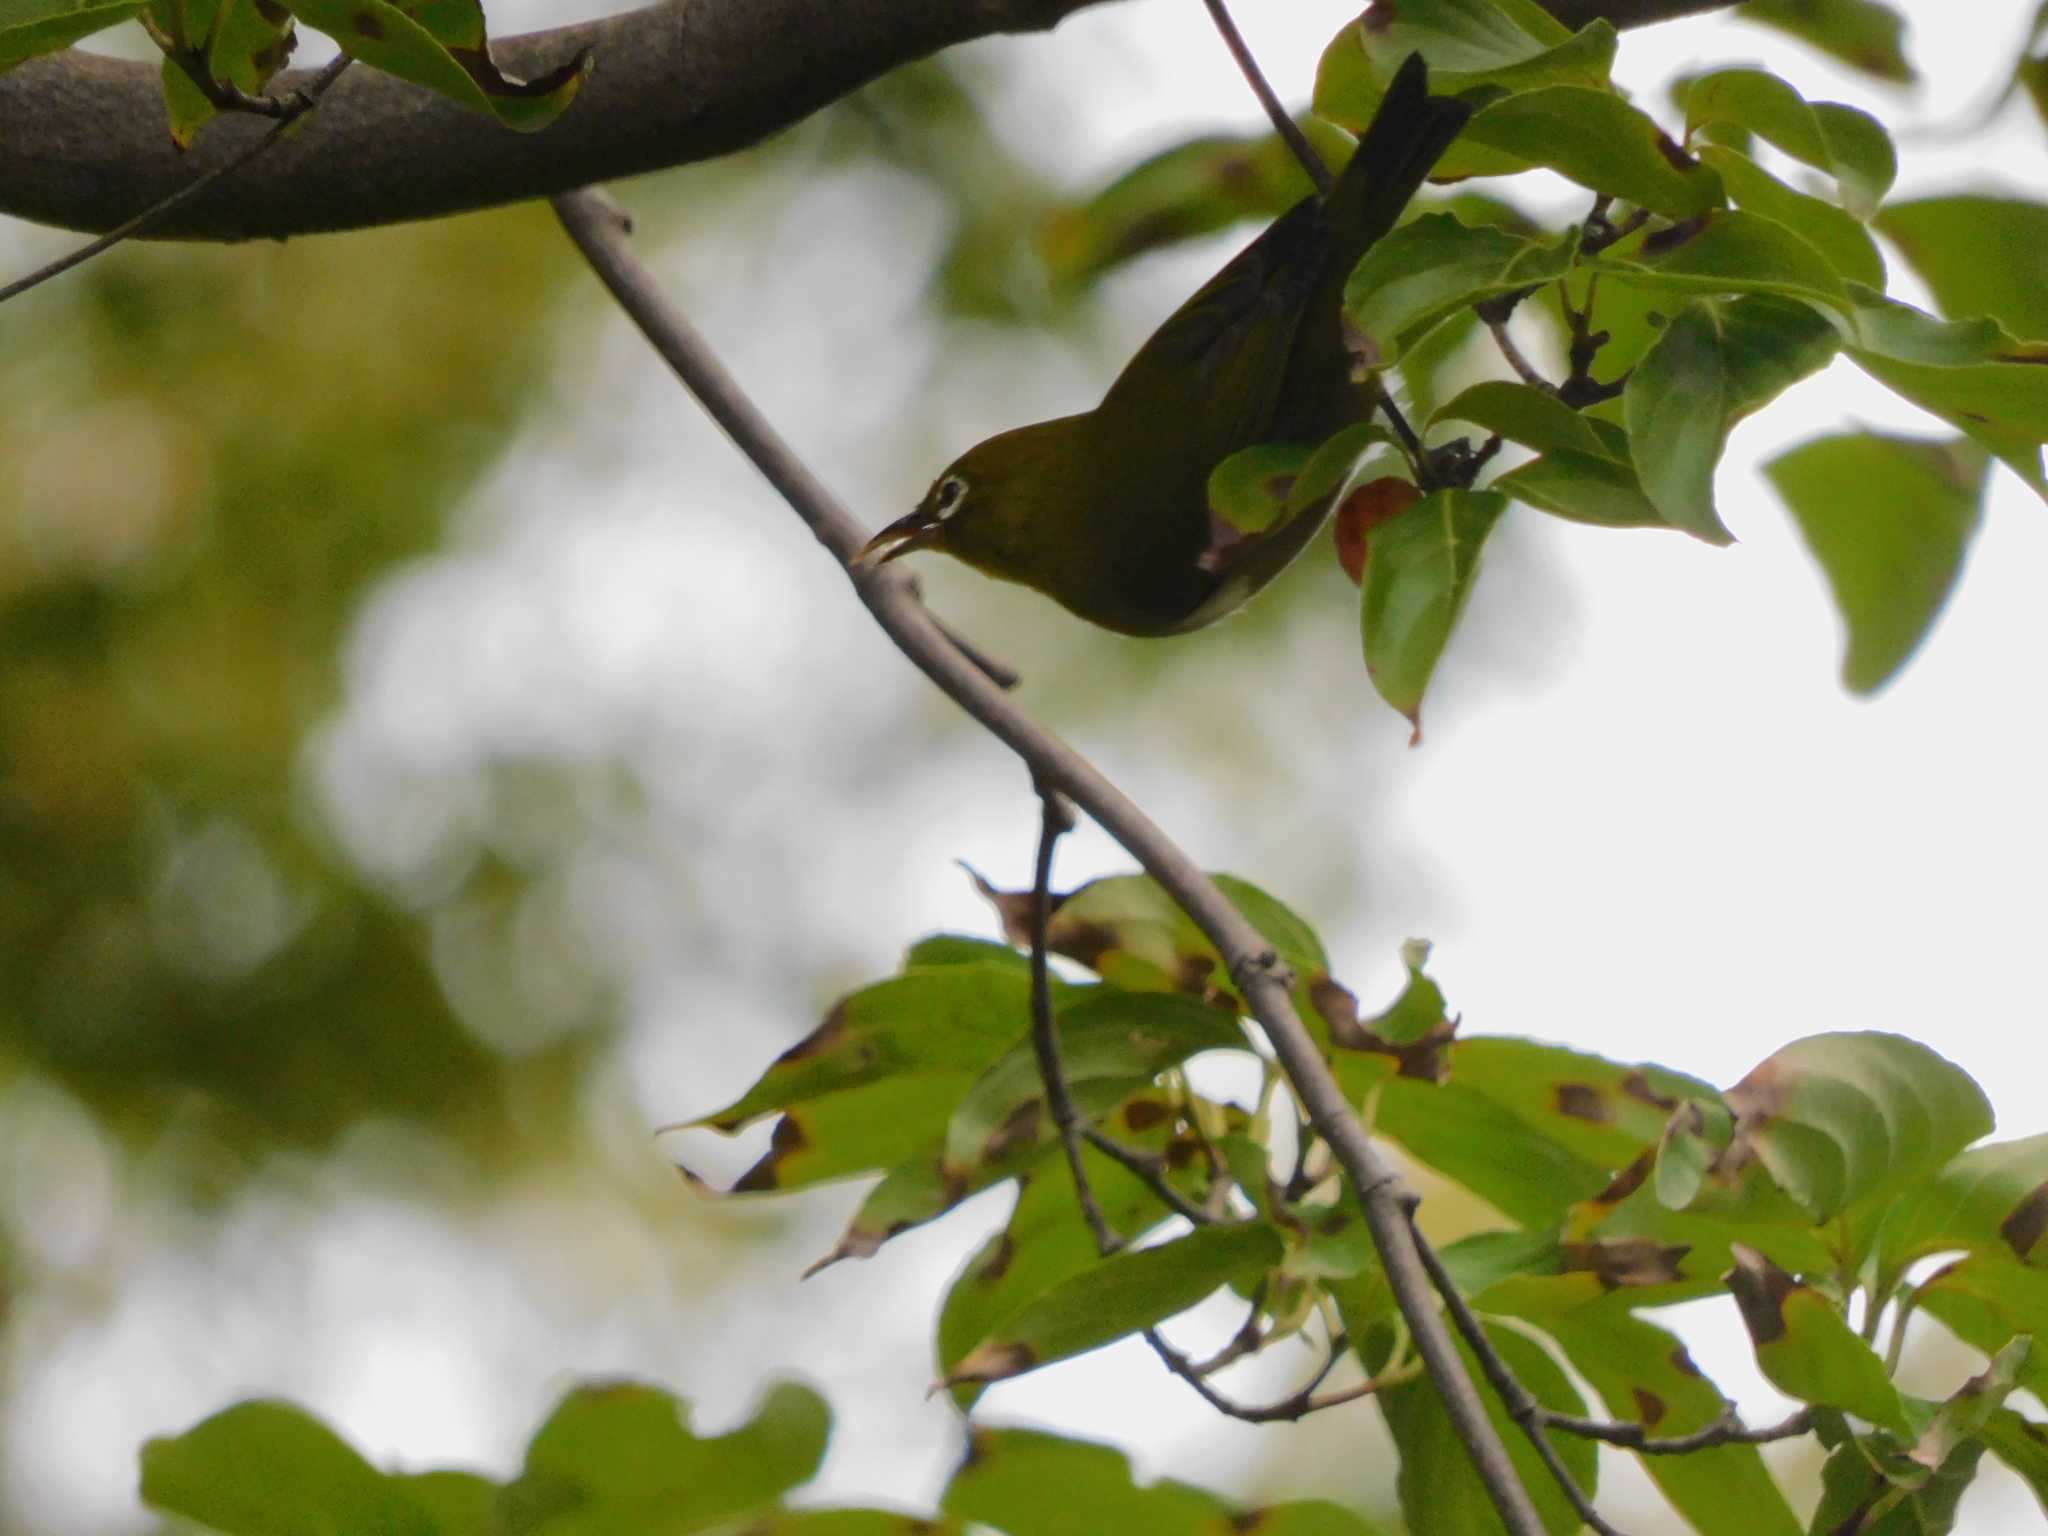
(1211, 374)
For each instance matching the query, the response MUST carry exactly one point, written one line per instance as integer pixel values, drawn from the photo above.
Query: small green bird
(1108, 512)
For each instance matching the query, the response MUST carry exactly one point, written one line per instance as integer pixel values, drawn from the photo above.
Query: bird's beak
(917, 531)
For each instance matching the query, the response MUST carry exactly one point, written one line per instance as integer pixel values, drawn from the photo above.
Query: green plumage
(1108, 511)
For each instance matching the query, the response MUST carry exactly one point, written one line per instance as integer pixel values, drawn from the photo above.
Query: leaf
(621, 1457)
(1715, 363)
(1889, 520)
(1857, 1498)
(1979, 255)
(1987, 1300)
(1045, 1242)
(1864, 34)
(1477, 1143)
(1644, 1376)
(1837, 236)
(1598, 140)
(1840, 141)
(1962, 1417)
(1606, 1112)
(1182, 193)
(1422, 567)
(1127, 930)
(1732, 252)
(1804, 1346)
(1118, 1296)
(2023, 1446)
(1440, 1493)
(1005, 1481)
(1248, 491)
(270, 1469)
(1837, 1118)
(880, 1076)
(1972, 374)
(1990, 1199)
(1582, 488)
(31, 28)
(440, 44)
(1431, 268)
(1364, 509)
(1523, 414)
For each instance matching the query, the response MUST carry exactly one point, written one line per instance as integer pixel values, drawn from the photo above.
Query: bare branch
(1262, 979)
(82, 141)
(1726, 1430)
(1283, 123)
(1152, 1172)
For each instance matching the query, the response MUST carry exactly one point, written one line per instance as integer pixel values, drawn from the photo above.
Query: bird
(1107, 512)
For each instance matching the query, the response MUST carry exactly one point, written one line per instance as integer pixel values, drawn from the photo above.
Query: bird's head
(998, 506)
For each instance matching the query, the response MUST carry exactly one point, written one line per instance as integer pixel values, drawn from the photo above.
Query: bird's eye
(952, 491)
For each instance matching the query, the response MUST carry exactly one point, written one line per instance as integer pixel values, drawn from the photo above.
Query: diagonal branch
(1263, 981)
(82, 140)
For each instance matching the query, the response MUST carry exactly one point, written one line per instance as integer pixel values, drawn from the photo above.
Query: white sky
(1646, 820)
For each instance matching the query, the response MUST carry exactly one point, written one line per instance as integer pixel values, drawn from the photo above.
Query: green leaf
(1249, 491)
(1990, 1199)
(1838, 1118)
(1524, 414)
(1182, 193)
(1838, 237)
(1598, 140)
(1606, 1112)
(1972, 374)
(1963, 1416)
(1715, 363)
(31, 28)
(1483, 1146)
(269, 1469)
(1987, 1301)
(1864, 34)
(1430, 269)
(1888, 519)
(1118, 1296)
(1979, 255)
(440, 44)
(1440, 1493)
(1419, 575)
(1582, 488)
(1644, 1375)
(1045, 1242)
(620, 1456)
(1128, 931)
(1806, 1349)
(1856, 1496)
(1111, 1044)
(186, 106)
(2023, 1446)
(1005, 1483)
(1733, 252)
(881, 1076)
(1839, 141)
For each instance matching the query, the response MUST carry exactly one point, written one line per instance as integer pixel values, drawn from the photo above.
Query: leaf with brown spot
(1988, 1301)
(441, 45)
(1604, 1111)
(1642, 1373)
(1118, 1296)
(1989, 1200)
(1806, 1348)
(1842, 1118)
(1627, 1262)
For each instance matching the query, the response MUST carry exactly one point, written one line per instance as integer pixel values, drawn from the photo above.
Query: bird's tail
(1409, 134)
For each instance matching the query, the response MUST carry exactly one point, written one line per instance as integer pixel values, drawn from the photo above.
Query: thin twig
(292, 108)
(1297, 1405)
(1056, 818)
(1525, 370)
(1151, 1172)
(595, 225)
(1726, 1430)
(1283, 124)
(1520, 1403)
(1249, 1339)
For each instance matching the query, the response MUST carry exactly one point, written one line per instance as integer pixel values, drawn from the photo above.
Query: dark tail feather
(1409, 134)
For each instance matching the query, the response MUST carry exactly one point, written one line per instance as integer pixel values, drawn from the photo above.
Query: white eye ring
(951, 493)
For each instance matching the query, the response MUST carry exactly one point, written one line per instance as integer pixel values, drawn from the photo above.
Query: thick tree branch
(1263, 981)
(83, 142)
